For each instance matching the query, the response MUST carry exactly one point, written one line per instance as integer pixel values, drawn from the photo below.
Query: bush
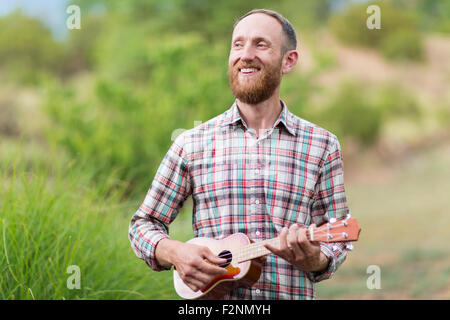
(350, 114)
(27, 48)
(80, 47)
(435, 15)
(399, 36)
(361, 113)
(393, 102)
(402, 44)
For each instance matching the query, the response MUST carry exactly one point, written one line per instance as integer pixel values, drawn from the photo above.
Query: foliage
(211, 19)
(399, 35)
(434, 15)
(29, 53)
(402, 45)
(80, 47)
(27, 48)
(349, 113)
(394, 101)
(123, 127)
(358, 112)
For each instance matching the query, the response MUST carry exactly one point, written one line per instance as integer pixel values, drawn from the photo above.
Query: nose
(248, 53)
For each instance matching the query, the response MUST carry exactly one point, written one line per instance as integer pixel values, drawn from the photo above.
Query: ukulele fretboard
(255, 250)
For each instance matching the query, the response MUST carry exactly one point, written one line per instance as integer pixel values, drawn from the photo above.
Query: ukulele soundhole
(225, 254)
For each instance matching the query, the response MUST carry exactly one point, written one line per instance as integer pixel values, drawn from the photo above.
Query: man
(256, 169)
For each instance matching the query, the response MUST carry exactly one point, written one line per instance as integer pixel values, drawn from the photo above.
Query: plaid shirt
(293, 173)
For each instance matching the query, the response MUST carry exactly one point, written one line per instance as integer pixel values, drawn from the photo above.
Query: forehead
(259, 25)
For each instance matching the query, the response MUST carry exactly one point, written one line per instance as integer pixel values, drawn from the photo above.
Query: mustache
(246, 65)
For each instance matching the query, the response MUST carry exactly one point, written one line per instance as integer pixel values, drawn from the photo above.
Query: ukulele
(243, 267)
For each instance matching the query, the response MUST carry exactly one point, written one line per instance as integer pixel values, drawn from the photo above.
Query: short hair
(290, 42)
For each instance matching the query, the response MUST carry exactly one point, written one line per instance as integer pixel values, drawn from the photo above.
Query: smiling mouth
(248, 71)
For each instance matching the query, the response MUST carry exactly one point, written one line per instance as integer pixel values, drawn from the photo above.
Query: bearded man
(256, 169)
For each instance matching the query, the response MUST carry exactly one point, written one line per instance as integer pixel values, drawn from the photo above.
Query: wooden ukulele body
(240, 274)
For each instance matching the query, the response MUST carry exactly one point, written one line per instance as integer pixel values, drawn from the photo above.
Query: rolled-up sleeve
(330, 202)
(168, 191)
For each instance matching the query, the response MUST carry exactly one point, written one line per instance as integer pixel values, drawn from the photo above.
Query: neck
(255, 250)
(263, 115)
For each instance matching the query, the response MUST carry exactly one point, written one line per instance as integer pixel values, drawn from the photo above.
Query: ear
(290, 59)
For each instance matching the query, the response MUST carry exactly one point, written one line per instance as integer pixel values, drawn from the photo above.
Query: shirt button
(257, 291)
(257, 232)
(257, 201)
(256, 172)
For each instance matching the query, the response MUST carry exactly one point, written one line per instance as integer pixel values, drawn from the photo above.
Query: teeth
(248, 70)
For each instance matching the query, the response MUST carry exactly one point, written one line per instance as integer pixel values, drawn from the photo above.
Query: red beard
(256, 88)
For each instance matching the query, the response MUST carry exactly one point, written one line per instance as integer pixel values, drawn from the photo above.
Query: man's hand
(196, 265)
(296, 249)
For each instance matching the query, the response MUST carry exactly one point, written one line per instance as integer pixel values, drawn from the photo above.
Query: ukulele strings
(258, 249)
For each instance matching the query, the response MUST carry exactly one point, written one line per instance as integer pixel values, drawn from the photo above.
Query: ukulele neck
(335, 231)
(255, 250)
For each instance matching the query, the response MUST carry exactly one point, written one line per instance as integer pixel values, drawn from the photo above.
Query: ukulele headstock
(339, 230)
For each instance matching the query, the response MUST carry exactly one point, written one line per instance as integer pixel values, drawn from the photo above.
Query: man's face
(254, 65)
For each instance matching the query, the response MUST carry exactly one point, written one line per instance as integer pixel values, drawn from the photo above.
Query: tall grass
(52, 217)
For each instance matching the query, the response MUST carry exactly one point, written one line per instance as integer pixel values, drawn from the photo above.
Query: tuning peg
(348, 216)
(349, 247)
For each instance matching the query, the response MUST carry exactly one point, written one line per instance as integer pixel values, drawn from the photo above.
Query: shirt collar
(232, 116)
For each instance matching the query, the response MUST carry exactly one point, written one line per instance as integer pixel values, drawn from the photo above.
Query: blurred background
(86, 116)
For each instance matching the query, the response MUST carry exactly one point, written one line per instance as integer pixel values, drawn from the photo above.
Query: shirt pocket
(293, 204)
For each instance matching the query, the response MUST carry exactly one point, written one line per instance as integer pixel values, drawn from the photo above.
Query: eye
(261, 45)
(237, 44)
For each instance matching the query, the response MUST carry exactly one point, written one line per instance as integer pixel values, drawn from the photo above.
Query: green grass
(52, 217)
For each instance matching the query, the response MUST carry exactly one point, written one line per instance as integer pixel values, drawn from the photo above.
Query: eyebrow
(256, 39)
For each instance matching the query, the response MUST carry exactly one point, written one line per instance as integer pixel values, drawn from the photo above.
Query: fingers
(210, 265)
(195, 278)
(307, 247)
(294, 244)
(272, 249)
(196, 266)
(200, 276)
(293, 239)
(284, 251)
(194, 284)
(278, 251)
(208, 254)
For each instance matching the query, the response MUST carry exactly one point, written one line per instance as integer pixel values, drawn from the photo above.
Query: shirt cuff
(331, 268)
(151, 260)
